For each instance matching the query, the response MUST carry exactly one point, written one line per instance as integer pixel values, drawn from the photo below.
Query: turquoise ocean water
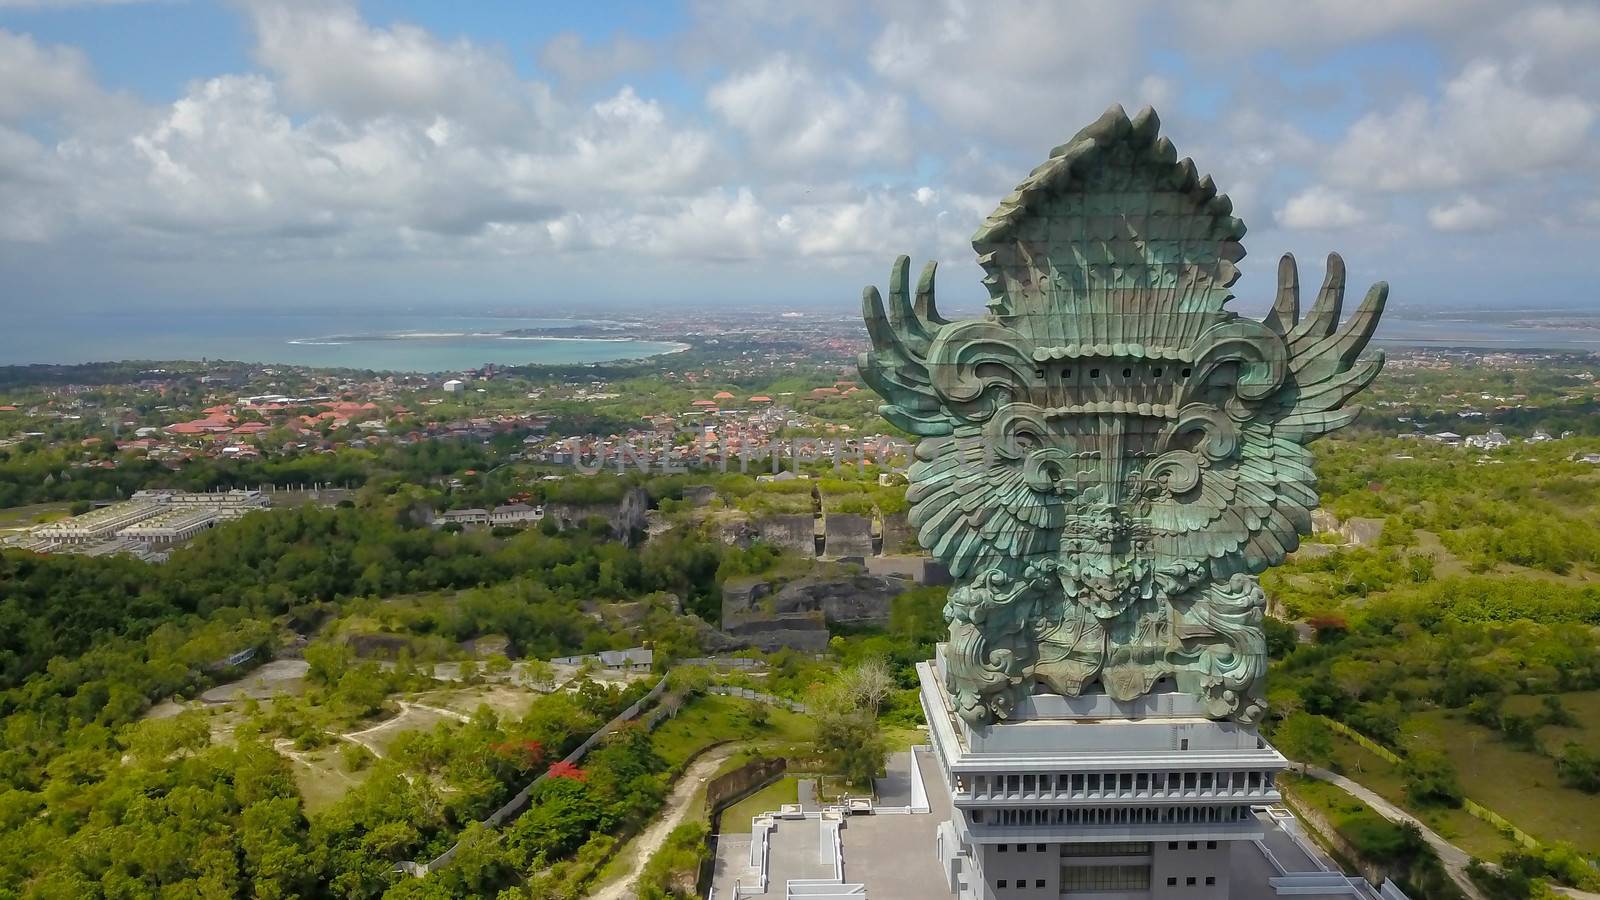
(403, 343)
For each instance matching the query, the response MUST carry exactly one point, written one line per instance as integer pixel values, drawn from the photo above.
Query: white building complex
(1074, 797)
(148, 524)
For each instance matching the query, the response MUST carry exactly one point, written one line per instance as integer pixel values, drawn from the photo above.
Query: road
(680, 805)
(1453, 858)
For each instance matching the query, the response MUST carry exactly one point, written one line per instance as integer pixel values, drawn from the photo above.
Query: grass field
(1455, 825)
(1518, 784)
(381, 737)
(322, 776)
(712, 717)
(509, 702)
(1584, 706)
(18, 517)
(736, 818)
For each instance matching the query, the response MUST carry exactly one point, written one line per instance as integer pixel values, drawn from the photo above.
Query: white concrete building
(97, 525)
(515, 514)
(1130, 800)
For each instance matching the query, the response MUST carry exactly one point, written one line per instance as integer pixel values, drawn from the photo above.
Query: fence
(724, 790)
(723, 662)
(759, 697)
(517, 803)
(1477, 810)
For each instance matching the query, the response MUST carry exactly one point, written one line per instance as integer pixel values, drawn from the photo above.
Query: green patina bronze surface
(1110, 456)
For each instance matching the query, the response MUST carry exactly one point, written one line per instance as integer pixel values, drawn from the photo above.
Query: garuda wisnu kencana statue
(1110, 456)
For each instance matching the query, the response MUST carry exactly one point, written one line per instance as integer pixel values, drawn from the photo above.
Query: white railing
(919, 792)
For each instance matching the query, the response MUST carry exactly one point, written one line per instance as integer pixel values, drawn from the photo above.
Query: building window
(1211, 879)
(1194, 845)
(1144, 781)
(977, 817)
(1127, 781)
(1038, 882)
(1172, 881)
(1105, 878)
(1013, 782)
(1108, 848)
(1211, 845)
(1186, 881)
(1183, 744)
(1002, 883)
(1038, 848)
(1172, 845)
(1188, 781)
(1002, 848)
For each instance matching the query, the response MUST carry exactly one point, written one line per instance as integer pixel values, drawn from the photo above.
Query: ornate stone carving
(1110, 456)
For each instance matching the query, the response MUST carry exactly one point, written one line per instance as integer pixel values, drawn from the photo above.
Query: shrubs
(1431, 779)
(672, 871)
(1579, 767)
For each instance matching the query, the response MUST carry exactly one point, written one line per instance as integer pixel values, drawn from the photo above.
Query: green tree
(1431, 779)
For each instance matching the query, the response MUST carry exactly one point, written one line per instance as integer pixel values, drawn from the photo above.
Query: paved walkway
(674, 812)
(1453, 858)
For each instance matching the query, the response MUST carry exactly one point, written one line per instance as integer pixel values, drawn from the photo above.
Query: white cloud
(1563, 31)
(1465, 213)
(569, 58)
(329, 60)
(1320, 208)
(44, 80)
(793, 116)
(1015, 70)
(1485, 125)
(1227, 26)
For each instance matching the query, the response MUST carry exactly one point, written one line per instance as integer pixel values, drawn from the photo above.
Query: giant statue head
(1110, 456)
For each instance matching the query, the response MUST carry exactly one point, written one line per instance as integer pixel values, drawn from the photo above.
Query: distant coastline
(408, 343)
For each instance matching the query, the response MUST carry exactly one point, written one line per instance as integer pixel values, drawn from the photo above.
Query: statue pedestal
(1139, 799)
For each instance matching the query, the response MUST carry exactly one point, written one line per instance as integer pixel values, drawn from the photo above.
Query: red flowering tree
(565, 769)
(525, 754)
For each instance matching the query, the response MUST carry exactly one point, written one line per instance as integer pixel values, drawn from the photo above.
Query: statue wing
(1326, 364)
(1249, 511)
(897, 364)
(975, 511)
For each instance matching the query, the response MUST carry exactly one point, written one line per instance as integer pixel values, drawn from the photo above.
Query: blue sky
(279, 154)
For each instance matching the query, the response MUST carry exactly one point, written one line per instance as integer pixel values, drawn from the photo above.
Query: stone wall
(898, 537)
(796, 533)
(848, 598)
(625, 518)
(728, 789)
(796, 614)
(846, 534)
(1358, 530)
(920, 569)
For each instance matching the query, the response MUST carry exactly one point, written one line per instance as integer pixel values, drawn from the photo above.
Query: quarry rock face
(796, 614)
(846, 534)
(920, 569)
(898, 535)
(626, 517)
(796, 533)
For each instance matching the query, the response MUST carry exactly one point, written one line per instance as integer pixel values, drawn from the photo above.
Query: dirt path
(673, 813)
(406, 706)
(1453, 858)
